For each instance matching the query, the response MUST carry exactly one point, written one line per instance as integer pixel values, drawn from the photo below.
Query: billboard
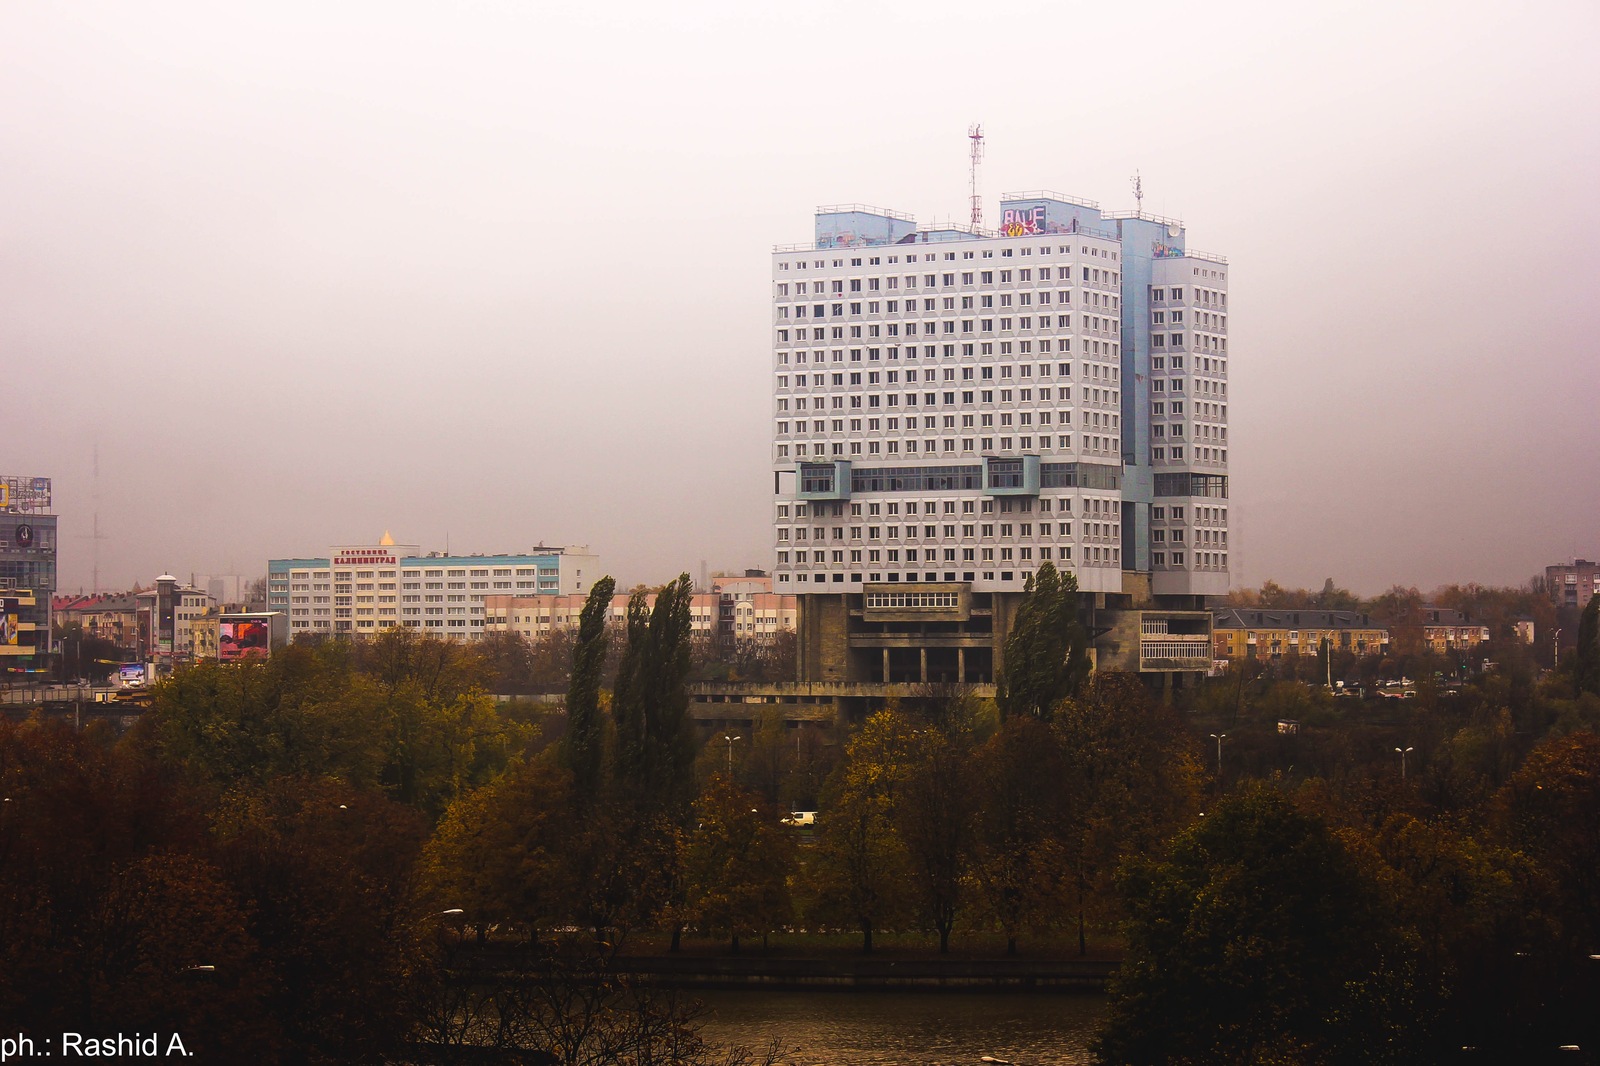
(243, 638)
(20, 495)
(131, 673)
(10, 610)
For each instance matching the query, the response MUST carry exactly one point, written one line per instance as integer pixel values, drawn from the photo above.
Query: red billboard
(243, 638)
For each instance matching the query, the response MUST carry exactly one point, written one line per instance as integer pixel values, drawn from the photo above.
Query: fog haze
(498, 274)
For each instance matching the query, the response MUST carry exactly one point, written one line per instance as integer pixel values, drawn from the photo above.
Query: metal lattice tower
(975, 135)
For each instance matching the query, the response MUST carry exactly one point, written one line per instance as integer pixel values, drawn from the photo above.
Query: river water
(909, 1029)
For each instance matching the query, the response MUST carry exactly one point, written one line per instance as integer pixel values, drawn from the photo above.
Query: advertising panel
(20, 495)
(9, 616)
(131, 673)
(243, 638)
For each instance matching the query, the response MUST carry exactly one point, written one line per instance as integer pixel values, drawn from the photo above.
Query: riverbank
(818, 973)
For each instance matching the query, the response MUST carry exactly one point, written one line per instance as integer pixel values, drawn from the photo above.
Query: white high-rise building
(953, 408)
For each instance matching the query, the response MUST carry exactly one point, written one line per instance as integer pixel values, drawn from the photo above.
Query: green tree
(1047, 652)
(1586, 656)
(1256, 939)
(583, 746)
(655, 742)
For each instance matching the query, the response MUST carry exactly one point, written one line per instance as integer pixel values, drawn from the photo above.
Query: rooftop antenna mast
(975, 135)
(1138, 193)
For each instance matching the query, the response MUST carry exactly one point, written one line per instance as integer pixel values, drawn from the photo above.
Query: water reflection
(901, 1029)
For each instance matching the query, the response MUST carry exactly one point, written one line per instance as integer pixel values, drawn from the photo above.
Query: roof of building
(1290, 618)
(1444, 616)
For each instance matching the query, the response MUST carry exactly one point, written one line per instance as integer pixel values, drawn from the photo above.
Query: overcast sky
(498, 273)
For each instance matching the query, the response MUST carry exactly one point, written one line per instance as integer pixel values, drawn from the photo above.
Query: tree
(583, 747)
(325, 871)
(1047, 652)
(655, 742)
(936, 813)
(1130, 777)
(1586, 656)
(504, 853)
(1256, 939)
(737, 863)
(860, 870)
(1018, 860)
(1550, 810)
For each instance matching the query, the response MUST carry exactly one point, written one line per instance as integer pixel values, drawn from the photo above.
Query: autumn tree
(737, 862)
(503, 853)
(1047, 651)
(859, 871)
(1130, 777)
(936, 812)
(1018, 860)
(324, 872)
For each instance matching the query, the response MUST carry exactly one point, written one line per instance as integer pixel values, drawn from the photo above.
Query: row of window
(1094, 555)
(1199, 455)
(948, 398)
(950, 256)
(946, 280)
(1092, 443)
(1202, 561)
(912, 599)
(1095, 349)
(1025, 505)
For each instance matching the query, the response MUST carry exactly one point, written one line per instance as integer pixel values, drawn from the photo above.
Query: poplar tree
(582, 749)
(655, 746)
(1047, 653)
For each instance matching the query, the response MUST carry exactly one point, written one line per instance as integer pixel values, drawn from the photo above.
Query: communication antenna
(975, 135)
(1138, 192)
(95, 537)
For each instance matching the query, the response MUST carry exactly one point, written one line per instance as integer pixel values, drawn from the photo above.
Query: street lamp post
(730, 741)
(1218, 737)
(1403, 753)
(1555, 644)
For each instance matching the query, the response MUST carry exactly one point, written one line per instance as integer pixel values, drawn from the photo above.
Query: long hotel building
(363, 589)
(953, 408)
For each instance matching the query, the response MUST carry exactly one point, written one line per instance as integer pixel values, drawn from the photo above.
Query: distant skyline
(496, 274)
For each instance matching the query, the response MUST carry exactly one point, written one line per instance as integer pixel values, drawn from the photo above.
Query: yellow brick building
(1276, 633)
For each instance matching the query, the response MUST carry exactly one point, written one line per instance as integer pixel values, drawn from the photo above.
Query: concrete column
(961, 665)
(886, 665)
(923, 652)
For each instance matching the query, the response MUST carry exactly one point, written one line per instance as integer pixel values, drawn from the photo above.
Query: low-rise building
(736, 608)
(1445, 630)
(1276, 633)
(112, 617)
(166, 617)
